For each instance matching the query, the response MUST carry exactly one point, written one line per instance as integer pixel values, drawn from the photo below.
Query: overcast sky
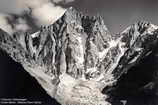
(117, 14)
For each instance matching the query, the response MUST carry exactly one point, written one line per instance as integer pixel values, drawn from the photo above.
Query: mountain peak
(141, 27)
(70, 9)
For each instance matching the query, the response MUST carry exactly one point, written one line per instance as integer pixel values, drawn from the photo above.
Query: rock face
(75, 58)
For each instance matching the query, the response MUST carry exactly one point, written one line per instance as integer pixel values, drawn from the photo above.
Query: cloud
(44, 12)
(49, 16)
(65, 1)
(4, 24)
(19, 25)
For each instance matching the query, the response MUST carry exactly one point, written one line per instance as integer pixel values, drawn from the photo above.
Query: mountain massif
(76, 58)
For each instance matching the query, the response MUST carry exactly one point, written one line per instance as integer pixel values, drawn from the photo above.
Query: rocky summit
(76, 57)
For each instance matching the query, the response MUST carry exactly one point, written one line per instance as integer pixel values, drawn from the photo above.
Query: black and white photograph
(78, 52)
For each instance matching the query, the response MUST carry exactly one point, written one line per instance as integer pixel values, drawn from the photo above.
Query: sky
(117, 14)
